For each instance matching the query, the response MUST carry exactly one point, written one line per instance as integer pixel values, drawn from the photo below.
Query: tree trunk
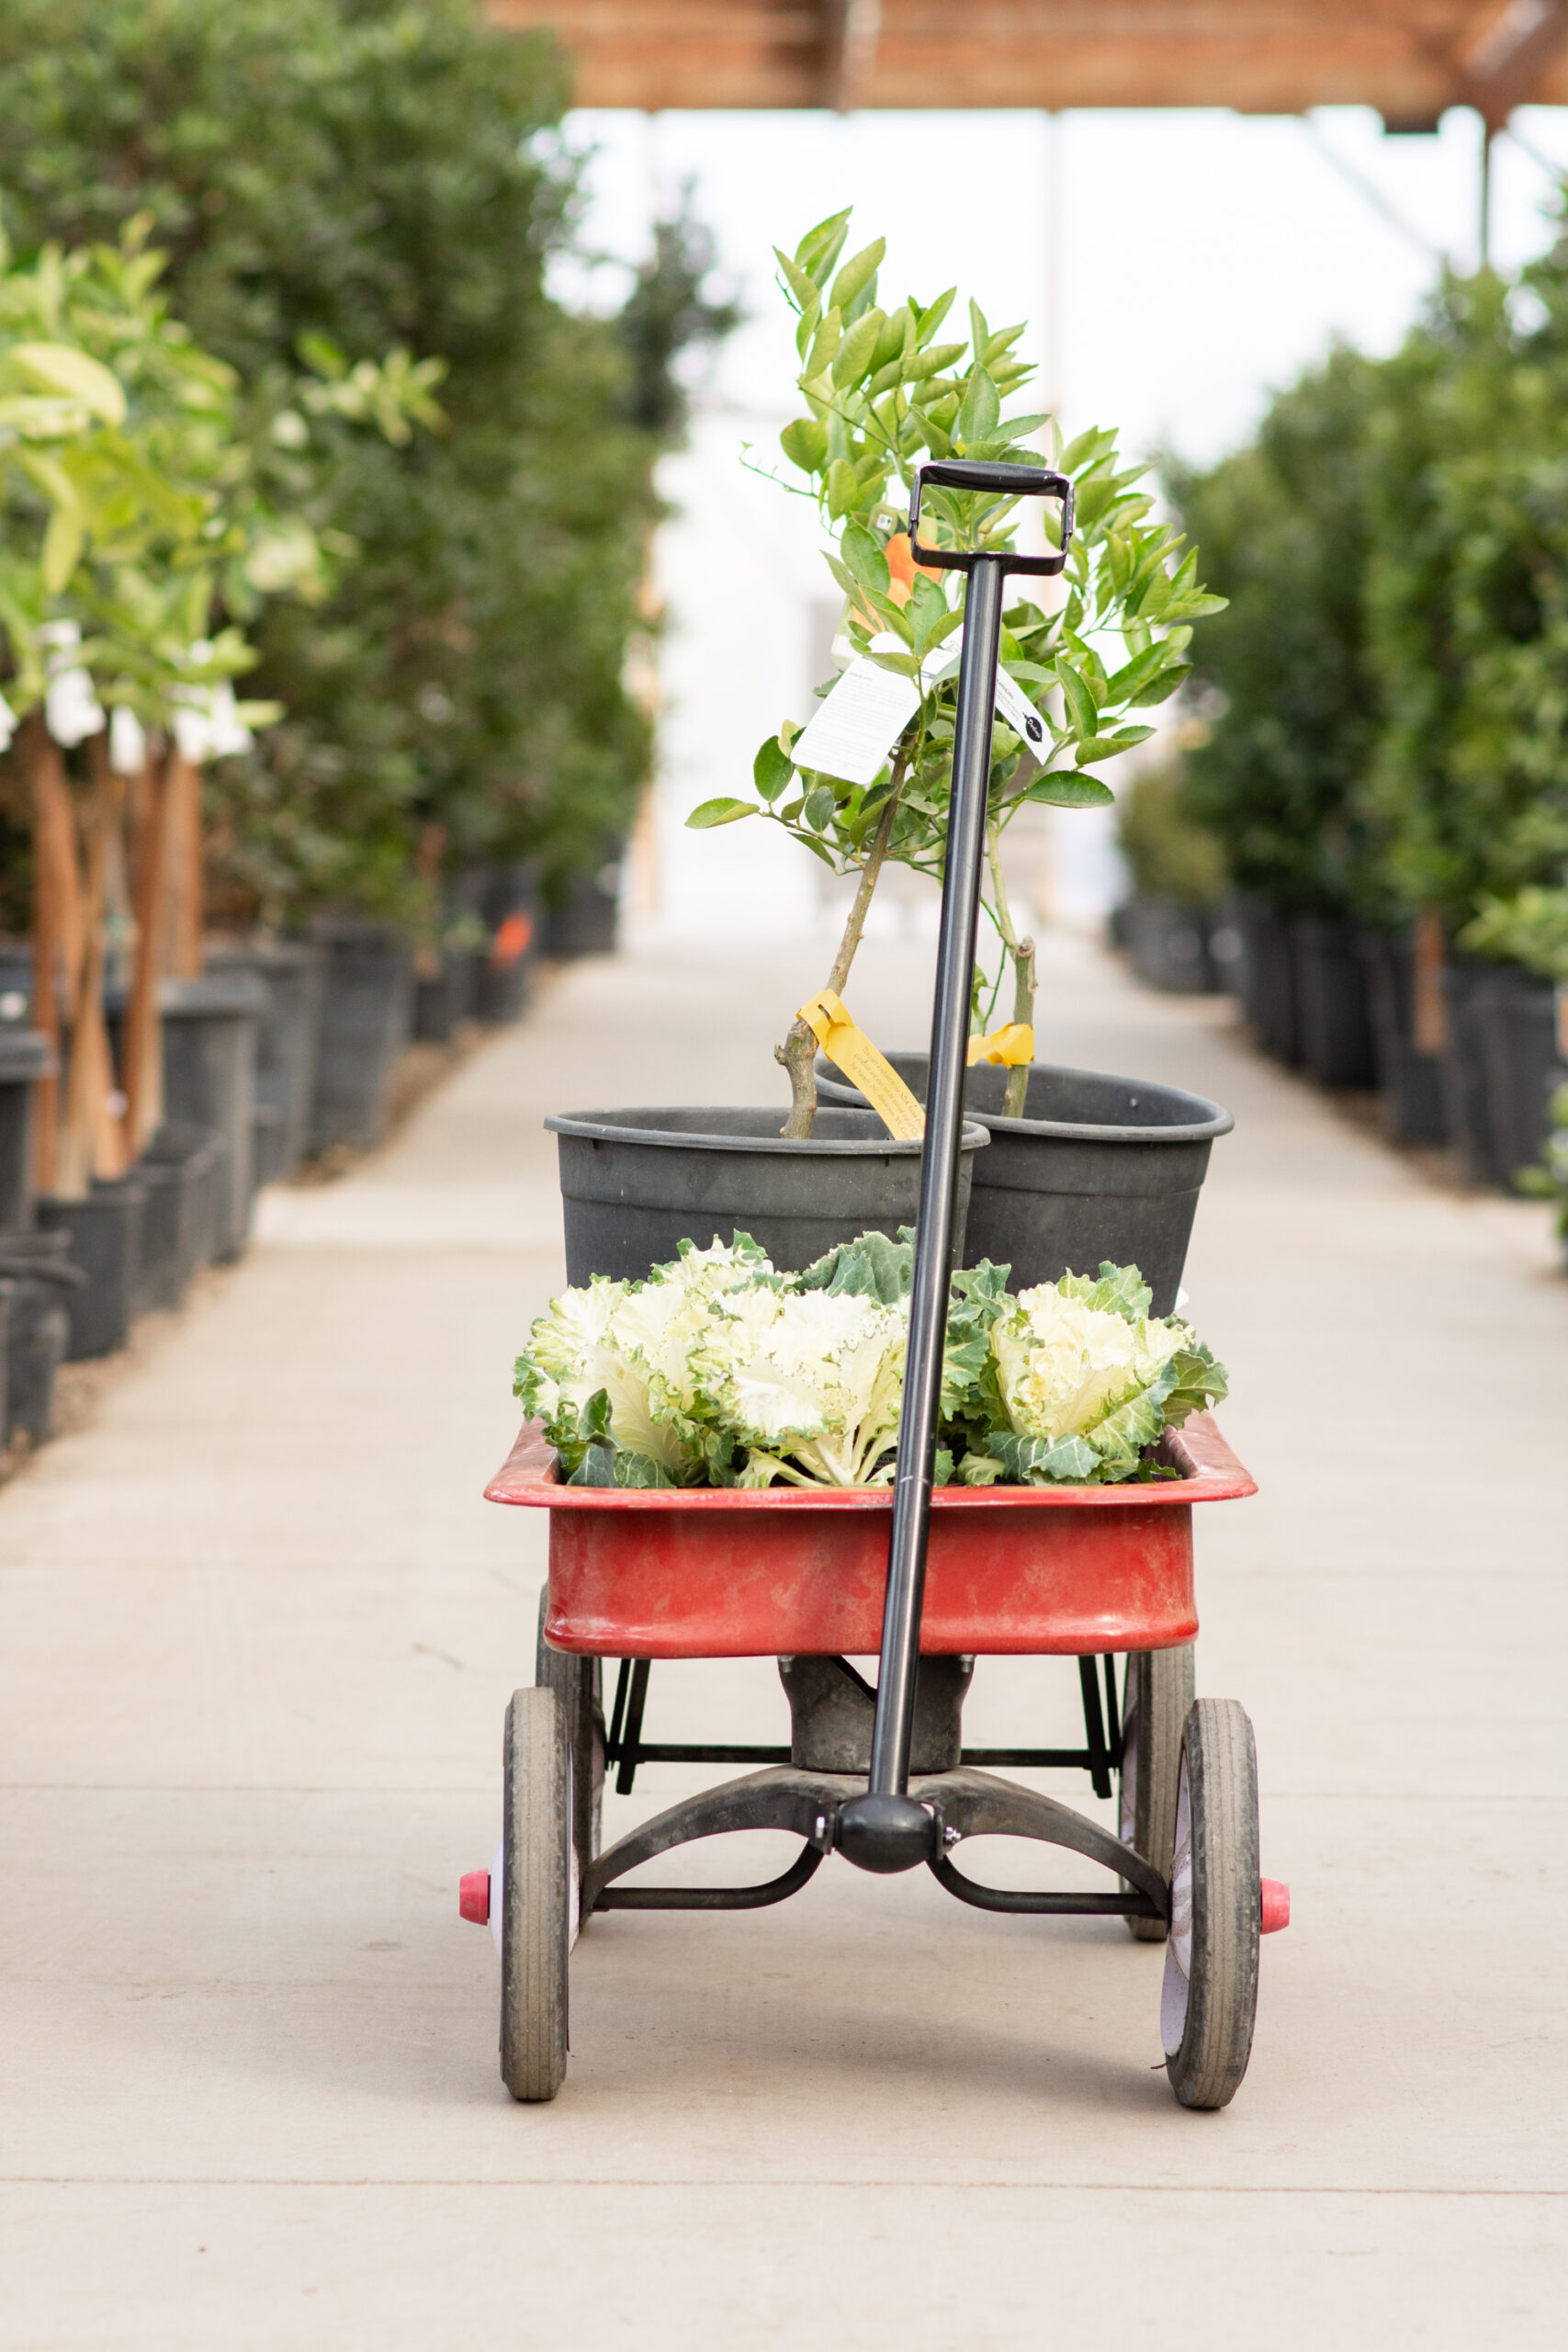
(92, 1142)
(143, 1026)
(183, 884)
(798, 1052)
(57, 922)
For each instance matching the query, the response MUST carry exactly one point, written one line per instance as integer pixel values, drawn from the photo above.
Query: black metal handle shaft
(938, 1178)
(885, 1829)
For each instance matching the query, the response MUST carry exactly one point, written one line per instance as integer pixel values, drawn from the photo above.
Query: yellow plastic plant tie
(1010, 1045)
(872, 1072)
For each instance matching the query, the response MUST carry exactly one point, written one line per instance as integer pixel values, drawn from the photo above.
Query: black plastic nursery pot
(1099, 1168)
(1410, 1082)
(184, 1174)
(38, 1268)
(1265, 977)
(510, 906)
(1467, 1080)
(441, 999)
(290, 973)
(1168, 944)
(1333, 1012)
(584, 917)
(25, 1056)
(1518, 1017)
(105, 1234)
(636, 1184)
(366, 1018)
(210, 1081)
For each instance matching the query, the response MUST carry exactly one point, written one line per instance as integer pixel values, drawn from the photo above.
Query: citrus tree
(882, 390)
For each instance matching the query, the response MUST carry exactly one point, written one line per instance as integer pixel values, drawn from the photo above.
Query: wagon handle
(885, 1829)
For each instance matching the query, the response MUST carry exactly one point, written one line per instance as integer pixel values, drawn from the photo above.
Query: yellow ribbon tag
(1010, 1046)
(872, 1072)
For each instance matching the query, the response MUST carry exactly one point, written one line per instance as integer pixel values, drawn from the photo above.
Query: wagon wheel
(576, 1683)
(535, 1897)
(1159, 1696)
(1210, 1995)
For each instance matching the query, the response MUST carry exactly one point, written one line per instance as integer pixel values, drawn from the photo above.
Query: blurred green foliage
(1388, 684)
(1284, 671)
(333, 178)
(1169, 853)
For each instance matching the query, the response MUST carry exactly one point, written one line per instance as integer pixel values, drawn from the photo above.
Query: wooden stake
(92, 1142)
(143, 1026)
(57, 920)
(184, 887)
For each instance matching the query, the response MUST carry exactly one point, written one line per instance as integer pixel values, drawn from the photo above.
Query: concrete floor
(258, 1633)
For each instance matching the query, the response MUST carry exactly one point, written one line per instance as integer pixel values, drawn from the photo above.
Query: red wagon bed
(681, 1572)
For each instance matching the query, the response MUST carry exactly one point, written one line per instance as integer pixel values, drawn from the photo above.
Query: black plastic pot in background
(1410, 1082)
(441, 999)
(290, 973)
(105, 1233)
(25, 1057)
(1467, 1080)
(210, 1081)
(636, 1184)
(1518, 1018)
(582, 915)
(1265, 975)
(38, 1329)
(183, 1172)
(1168, 944)
(367, 1013)
(1334, 1025)
(511, 910)
(1100, 1167)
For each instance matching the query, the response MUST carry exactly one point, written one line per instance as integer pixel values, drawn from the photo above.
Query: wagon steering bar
(888, 1829)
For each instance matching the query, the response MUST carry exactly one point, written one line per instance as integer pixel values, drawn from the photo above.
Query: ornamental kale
(720, 1371)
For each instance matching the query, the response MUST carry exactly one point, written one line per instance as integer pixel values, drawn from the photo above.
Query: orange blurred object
(511, 941)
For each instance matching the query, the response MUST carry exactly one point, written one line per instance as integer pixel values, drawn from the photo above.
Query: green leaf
(861, 551)
(821, 803)
(824, 347)
(1106, 747)
(856, 274)
(1057, 791)
(930, 320)
(856, 351)
(725, 811)
(979, 333)
(802, 288)
(1082, 716)
(980, 409)
(60, 368)
(820, 247)
(844, 489)
(805, 444)
(771, 769)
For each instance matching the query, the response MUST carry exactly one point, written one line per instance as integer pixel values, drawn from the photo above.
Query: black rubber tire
(1157, 1698)
(1208, 2000)
(535, 1897)
(576, 1684)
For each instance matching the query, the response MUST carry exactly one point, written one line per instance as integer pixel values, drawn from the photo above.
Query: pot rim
(600, 1127)
(1220, 1121)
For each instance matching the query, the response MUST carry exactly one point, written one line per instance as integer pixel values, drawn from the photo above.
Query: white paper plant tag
(1015, 708)
(858, 723)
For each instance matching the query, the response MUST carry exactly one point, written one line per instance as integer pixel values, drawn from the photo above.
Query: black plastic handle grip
(1012, 481)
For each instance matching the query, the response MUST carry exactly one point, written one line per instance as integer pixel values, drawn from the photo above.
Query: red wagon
(930, 1580)
(1102, 1574)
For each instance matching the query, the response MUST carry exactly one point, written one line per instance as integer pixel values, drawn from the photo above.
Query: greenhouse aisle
(258, 1633)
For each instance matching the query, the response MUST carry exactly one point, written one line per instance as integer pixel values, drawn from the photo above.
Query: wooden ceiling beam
(1407, 57)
